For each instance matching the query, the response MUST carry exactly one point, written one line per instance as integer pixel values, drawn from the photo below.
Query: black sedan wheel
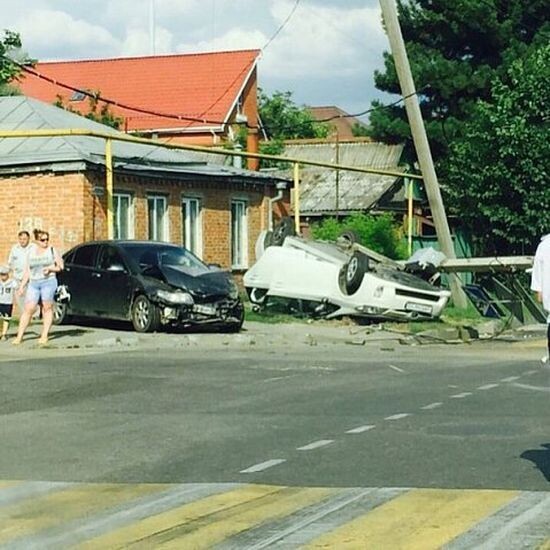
(145, 315)
(59, 313)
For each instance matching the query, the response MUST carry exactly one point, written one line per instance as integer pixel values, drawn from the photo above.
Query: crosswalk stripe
(300, 527)
(81, 529)
(211, 520)
(504, 523)
(421, 519)
(16, 492)
(31, 515)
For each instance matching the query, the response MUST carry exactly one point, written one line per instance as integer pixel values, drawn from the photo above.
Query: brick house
(58, 184)
(201, 98)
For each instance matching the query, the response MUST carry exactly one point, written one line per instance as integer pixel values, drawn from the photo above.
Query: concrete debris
(356, 342)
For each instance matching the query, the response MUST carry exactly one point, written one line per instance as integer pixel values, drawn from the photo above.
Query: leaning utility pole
(420, 139)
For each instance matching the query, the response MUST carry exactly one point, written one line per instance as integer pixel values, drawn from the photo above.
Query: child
(7, 292)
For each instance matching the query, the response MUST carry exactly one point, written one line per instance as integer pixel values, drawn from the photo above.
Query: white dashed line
(431, 406)
(263, 466)
(529, 372)
(461, 395)
(397, 416)
(396, 368)
(315, 445)
(509, 379)
(361, 429)
(487, 387)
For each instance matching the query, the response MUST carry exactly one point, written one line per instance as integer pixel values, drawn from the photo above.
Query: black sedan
(152, 284)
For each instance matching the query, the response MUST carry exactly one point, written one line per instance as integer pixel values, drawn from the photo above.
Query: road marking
(529, 372)
(361, 429)
(263, 466)
(509, 379)
(461, 395)
(529, 387)
(206, 523)
(315, 445)
(397, 416)
(396, 368)
(487, 387)
(421, 518)
(431, 406)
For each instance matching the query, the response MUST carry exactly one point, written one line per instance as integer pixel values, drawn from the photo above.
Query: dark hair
(21, 233)
(38, 232)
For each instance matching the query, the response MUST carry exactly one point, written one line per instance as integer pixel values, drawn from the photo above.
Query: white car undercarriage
(337, 280)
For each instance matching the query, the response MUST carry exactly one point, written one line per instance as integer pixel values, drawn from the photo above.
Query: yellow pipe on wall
(109, 187)
(297, 198)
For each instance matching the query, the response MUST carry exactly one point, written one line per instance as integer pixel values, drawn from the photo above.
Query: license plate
(421, 308)
(205, 310)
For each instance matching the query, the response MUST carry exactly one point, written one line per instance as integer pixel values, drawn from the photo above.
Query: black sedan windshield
(158, 255)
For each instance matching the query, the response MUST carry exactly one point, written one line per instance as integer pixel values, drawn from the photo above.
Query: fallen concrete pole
(492, 263)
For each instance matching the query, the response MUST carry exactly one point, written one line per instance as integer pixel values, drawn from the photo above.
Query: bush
(380, 233)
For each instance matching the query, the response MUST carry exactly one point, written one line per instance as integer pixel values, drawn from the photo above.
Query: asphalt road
(330, 417)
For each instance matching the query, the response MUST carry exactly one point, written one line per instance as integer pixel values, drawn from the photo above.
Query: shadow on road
(540, 458)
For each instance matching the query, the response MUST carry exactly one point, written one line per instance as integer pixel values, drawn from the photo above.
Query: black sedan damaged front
(188, 298)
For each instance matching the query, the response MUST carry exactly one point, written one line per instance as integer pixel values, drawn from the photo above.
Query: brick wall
(67, 207)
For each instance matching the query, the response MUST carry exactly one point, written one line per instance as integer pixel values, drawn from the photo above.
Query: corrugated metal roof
(365, 154)
(22, 113)
(356, 190)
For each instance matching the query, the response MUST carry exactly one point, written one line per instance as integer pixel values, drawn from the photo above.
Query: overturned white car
(340, 279)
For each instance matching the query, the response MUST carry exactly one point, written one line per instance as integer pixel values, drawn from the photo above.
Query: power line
(282, 25)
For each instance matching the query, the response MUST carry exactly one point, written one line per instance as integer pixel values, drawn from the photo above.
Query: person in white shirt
(540, 281)
(17, 261)
(43, 262)
(7, 292)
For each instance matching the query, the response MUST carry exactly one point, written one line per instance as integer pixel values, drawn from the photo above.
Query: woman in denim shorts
(43, 262)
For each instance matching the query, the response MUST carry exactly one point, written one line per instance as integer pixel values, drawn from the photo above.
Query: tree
(456, 49)
(380, 233)
(102, 114)
(11, 59)
(498, 171)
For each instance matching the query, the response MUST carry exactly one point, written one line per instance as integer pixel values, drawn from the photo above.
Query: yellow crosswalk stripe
(6, 484)
(32, 515)
(212, 519)
(545, 545)
(421, 519)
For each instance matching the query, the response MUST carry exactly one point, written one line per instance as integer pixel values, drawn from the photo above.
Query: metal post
(109, 186)
(337, 177)
(420, 139)
(297, 197)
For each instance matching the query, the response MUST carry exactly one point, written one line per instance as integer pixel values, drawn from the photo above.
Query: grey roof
(23, 113)
(356, 191)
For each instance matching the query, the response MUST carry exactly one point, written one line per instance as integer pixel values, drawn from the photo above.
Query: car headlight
(233, 290)
(177, 297)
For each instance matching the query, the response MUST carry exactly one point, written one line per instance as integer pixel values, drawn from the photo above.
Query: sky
(325, 54)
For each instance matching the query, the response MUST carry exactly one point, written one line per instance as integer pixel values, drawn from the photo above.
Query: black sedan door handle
(95, 274)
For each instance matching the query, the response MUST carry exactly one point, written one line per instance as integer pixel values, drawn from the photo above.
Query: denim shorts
(41, 291)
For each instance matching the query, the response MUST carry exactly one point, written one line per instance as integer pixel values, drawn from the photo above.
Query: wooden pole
(420, 139)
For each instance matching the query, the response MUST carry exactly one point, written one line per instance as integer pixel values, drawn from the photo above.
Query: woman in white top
(43, 262)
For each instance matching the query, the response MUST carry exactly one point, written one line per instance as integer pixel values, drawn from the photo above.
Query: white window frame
(240, 241)
(117, 215)
(152, 223)
(192, 233)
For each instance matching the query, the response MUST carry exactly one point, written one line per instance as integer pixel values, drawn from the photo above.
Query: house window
(123, 212)
(191, 222)
(239, 234)
(158, 217)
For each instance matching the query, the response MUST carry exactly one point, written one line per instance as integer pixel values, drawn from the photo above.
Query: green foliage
(10, 48)
(379, 233)
(102, 114)
(498, 172)
(456, 49)
(360, 130)
(283, 119)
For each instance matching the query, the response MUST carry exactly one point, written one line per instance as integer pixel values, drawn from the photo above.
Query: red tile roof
(341, 121)
(204, 86)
